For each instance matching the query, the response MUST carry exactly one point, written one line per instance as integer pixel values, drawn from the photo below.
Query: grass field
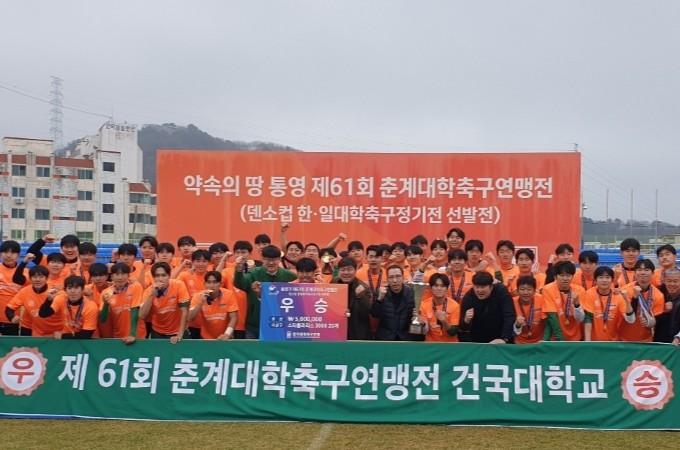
(108, 434)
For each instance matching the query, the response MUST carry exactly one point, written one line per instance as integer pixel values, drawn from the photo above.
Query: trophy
(416, 326)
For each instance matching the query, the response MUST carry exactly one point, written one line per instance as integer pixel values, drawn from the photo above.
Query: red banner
(532, 199)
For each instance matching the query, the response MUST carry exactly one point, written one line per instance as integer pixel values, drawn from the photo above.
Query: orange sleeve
(182, 293)
(548, 301)
(232, 305)
(137, 291)
(17, 300)
(59, 303)
(196, 300)
(453, 316)
(587, 302)
(658, 303)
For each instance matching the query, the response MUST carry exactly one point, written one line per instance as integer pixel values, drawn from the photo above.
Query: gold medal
(566, 321)
(530, 334)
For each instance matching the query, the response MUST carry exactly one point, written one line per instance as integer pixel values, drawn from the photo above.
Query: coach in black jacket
(394, 308)
(486, 312)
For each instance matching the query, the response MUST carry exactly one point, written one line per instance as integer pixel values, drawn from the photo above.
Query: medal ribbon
(567, 305)
(457, 294)
(530, 321)
(374, 290)
(605, 314)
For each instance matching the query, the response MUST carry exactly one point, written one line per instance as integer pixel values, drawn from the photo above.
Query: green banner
(560, 384)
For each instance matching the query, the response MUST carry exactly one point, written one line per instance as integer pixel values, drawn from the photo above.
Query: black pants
(9, 329)
(195, 333)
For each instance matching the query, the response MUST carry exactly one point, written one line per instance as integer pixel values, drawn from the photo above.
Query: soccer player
(647, 303)
(9, 253)
(372, 273)
(120, 305)
(587, 262)
(148, 247)
(455, 239)
(525, 258)
(306, 270)
(563, 305)
(23, 309)
(79, 314)
(194, 280)
(398, 255)
(165, 253)
(166, 303)
(87, 255)
(439, 251)
(563, 252)
(625, 273)
(216, 307)
(219, 255)
(243, 249)
(666, 255)
(139, 271)
(605, 308)
(506, 252)
(356, 252)
(251, 281)
(529, 323)
(293, 254)
(475, 249)
(421, 241)
(461, 279)
(99, 282)
(68, 246)
(440, 312)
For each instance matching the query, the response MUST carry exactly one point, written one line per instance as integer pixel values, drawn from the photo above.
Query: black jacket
(395, 312)
(359, 306)
(493, 318)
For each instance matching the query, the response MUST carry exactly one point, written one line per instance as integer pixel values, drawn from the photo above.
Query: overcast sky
(372, 76)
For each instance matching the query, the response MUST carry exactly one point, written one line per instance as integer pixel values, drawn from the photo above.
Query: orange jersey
(120, 305)
(624, 276)
(103, 328)
(195, 283)
(374, 281)
(240, 296)
(512, 286)
(70, 268)
(583, 280)
(57, 282)
(166, 314)
(8, 288)
(604, 328)
(76, 317)
(654, 303)
(460, 285)
(534, 314)
(27, 303)
(557, 302)
(215, 317)
(136, 274)
(512, 272)
(427, 312)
